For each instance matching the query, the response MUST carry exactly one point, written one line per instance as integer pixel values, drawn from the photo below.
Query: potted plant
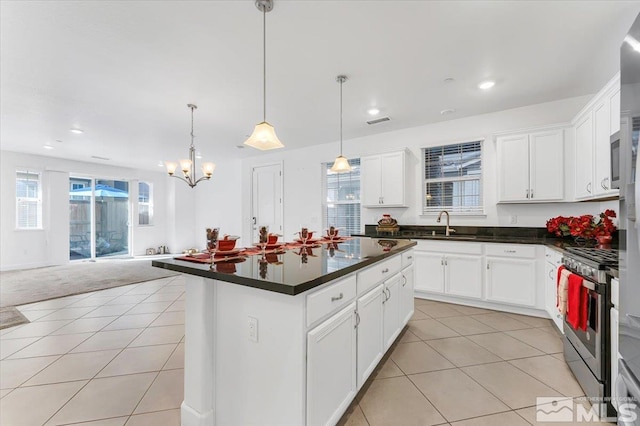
(584, 227)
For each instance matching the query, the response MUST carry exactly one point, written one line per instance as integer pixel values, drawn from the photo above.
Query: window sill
(469, 215)
(28, 229)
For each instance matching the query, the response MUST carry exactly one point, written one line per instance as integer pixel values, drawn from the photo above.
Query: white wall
(302, 169)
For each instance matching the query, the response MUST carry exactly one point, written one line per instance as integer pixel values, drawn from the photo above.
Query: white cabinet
(531, 166)
(584, 157)
(463, 275)
(383, 180)
(614, 108)
(391, 309)
(602, 149)
(553, 260)
(429, 272)
(406, 296)
(370, 332)
(511, 280)
(331, 367)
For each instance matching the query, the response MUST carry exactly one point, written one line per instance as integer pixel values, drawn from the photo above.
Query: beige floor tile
(396, 401)
(538, 339)
(505, 346)
(470, 310)
(93, 301)
(551, 329)
(531, 413)
(463, 352)
(109, 310)
(142, 289)
(165, 393)
(164, 418)
(52, 345)
(72, 367)
(126, 299)
(418, 357)
(466, 325)
(431, 329)
(353, 417)
(117, 421)
(162, 297)
(501, 322)
(35, 329)
(159, 335)
(424, 302)
(36, 315)
(178, 305)
(48, 304)
(14, 372)
(91, 403)
(176, 360)
(509, 418)
(149, 308)
(408, 337)
(532, 321)
(11, 346)
(115, 291)
(559, 356)
(456, 396)
(514, 387)
(34, 405)
(552, 372)
(418, 315)
(105, 340)
(169, 318)
(138, 360)
(439, 311)
(132, 321)
(67, 313)
(387, 369)
(85, 325)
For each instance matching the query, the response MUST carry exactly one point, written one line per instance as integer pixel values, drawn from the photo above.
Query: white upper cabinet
(602, 149)
(531, 167)
(614, 108)
(383, 180)
(584, 157)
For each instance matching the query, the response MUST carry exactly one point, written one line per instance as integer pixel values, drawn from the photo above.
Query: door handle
(357, 319)
(527, 193)
(532, 193)
(334, 298)
(550, 274)
(589, 187)
(388, 292)
(385, 270)
(404, 282)
(255, 220)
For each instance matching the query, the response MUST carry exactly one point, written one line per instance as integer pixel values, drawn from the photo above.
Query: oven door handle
(588, 285)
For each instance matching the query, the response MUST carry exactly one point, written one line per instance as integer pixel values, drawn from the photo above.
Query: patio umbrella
(101, 191)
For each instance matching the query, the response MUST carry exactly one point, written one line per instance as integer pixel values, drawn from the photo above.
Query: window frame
(148, 203)
(480, 211)
(325, 204)
(39, 226)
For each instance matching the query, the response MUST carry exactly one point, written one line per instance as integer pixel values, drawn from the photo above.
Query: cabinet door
(429, 270)
(406, 296)
(370, 327)
(614, 108)
(584, 157)
(513, 168)
(602, 146)
(371, 176)
(393, 179)
(511, 281)
(463, 275)
(546, 153)
(551, 277)
(331, 352)
(392, 310)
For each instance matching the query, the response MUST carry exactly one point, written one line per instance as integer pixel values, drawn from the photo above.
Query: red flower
(582, 226)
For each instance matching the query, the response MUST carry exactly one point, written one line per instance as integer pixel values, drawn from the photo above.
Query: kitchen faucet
(448, 230)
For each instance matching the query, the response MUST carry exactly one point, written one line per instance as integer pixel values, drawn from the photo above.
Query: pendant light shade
(264, 135)
(341, 165)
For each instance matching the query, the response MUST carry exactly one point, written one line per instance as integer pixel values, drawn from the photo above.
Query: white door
(371, 177)
(393, 179)
(266, 201)
(331, 352)
(463, 275)
(406, 296)
(429, 272)
(584, 157)
(511, 281)
(602, 146)
(546, 153)
(513, 168)
(370, 339)
(392, 310)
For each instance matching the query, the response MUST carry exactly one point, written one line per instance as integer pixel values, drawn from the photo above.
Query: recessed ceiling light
(76, 131)
(486, 84)
(47, 147)
(447, 111)
(373, 111)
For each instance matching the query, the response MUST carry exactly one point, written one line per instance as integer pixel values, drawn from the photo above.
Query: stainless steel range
(588, 352)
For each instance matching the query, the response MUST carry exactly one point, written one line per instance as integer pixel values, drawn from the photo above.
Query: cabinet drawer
(330, 299)
(457, 247)
(407, 258)
(380, 271)
(511, 250)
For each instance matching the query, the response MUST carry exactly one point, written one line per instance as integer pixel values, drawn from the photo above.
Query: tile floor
(115, 357)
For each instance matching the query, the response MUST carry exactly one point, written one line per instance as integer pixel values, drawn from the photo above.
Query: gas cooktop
(603, 257)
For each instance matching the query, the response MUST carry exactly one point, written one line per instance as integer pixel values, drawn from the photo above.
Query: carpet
(10, 316)
(34, 285)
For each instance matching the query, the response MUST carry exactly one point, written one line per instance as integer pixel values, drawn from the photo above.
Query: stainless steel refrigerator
(628, 380)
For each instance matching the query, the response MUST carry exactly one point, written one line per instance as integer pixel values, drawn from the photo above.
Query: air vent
(100, 158)
(378, 120)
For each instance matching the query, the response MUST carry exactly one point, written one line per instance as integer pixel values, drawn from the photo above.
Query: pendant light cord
(341, 81)
(192, 126)
(264, 63)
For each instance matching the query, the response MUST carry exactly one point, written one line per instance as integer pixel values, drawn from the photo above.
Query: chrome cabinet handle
(404, 280)
(334, 298)
(604, 185)
(409, 257)
(532, 193)
(527, 193)
(487, 265)
(589, 187)
(382, 198)
(387, 291)
(509, 251)
(385, 270)
(550, 274)
(357, 319)
(445, 262)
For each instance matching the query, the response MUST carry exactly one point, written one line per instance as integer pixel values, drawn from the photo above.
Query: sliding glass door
(98, 218)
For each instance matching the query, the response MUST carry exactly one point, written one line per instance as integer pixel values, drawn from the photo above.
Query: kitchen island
(289, 339)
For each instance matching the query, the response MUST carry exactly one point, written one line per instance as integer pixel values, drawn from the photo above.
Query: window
(145, 203)
(453, 178)
(28, 200)
(342, 201)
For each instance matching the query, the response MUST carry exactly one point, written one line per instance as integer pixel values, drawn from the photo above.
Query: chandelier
(189, 166)
(264, 135)
(341, 165)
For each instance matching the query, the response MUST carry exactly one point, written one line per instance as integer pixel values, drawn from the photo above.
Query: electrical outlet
(253, 329)
(513, 219)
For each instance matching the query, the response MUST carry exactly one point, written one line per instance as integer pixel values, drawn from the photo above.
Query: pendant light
(341, 165)
(189, 166)
(264, 136)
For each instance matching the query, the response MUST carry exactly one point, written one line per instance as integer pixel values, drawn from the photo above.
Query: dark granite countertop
(291, 273)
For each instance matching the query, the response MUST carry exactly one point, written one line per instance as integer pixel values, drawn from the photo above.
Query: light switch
(253, 329)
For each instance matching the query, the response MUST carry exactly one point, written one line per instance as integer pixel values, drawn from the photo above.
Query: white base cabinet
(553, 262)
(406, 296)
(370, 332)
(392, 309)
(463, 275)
(511, 281)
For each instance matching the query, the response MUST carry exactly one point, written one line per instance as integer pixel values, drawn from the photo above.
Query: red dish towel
(577, 304)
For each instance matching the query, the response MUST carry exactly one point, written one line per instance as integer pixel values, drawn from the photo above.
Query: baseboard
(4, 268)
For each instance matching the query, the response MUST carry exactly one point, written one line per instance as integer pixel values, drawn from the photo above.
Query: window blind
(342, 199)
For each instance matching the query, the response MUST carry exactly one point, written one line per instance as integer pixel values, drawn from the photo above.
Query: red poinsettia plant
(584, 226)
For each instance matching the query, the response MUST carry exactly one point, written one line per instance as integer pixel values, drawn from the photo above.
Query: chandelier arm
(202, 178)
(183, 179)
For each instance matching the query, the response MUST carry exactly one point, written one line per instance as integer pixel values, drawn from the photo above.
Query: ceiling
(124, 71)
